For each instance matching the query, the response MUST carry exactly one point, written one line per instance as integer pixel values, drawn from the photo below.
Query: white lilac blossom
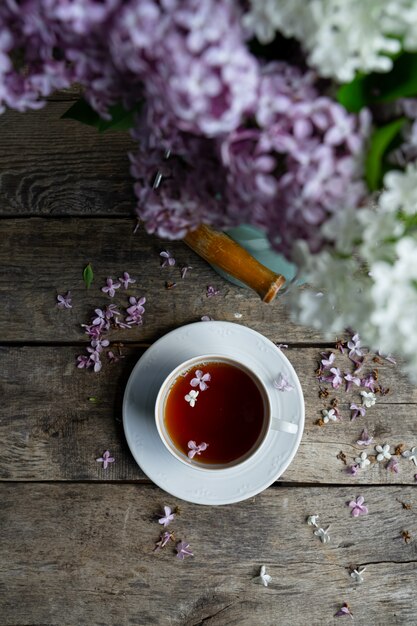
(369, 282)
(312, 520)
(341, 38)
(358, 507)
(362, 460)
(329, 415)
(207, 318)
(323, 534)
(191, 397)
(106, 459)
(263, 578)
(110, 287)
(64, 301)
(168, 259)
(183, 550)
(200, 380)
(383, 453)
(356, 574)
(167, 518)
(411, 455)
(368, 398)
(196, 449)
(282, 383)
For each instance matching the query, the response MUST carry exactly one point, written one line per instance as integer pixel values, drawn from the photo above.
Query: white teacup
(270, 422)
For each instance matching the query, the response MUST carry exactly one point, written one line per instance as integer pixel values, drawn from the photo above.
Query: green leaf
(94, 400)
(353, 95)
(365, 90)
(82, 112)
(121, 119)
(88, 275)
(381, 140)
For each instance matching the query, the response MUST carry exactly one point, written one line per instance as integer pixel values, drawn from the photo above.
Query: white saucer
(221, 486)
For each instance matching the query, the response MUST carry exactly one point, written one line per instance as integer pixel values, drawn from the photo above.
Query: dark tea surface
(228, 415)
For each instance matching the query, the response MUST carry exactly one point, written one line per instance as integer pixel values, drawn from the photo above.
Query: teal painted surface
(254, 241)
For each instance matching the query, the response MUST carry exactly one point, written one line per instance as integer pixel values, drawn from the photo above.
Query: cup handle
(283, 426)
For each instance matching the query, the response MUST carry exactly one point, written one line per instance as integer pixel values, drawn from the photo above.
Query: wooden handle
(219, 249)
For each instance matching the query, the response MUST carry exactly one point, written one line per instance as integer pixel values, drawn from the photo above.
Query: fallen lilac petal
(163, 540)
(352, 470)
(169, 260)
(365, 438)
(357, 410)
(110, 288)
(328, 359)
(106, 459)
(64, 301)
(337, 377)
(351, 379)
(393, 465)
(344, 610)
(167, 518)
(125, 280)
(184, 270)
(281, 346)
(200, 380)
(84, 361)
(207, 318)
(114, 358)
(183, 550)
(212, 291)
(282, 383)
(354, 346)
(358, 507)
(196, 449)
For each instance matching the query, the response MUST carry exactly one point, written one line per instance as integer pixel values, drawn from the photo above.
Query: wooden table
(77, 541)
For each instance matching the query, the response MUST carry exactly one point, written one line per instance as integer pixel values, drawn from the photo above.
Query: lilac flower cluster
(223, 137)
(292, 164)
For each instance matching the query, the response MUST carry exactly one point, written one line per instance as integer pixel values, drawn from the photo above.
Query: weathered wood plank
(50, 430)
(50, 166)
(42, 257)
(99, 567)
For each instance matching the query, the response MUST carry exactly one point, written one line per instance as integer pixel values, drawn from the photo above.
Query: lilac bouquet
(296, 117)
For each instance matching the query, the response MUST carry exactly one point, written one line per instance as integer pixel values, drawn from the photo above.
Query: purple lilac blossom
(125, 280)
(357, 410)
(183, 550)
(358, 507)
(287, 175)
(365, 438)
(230, 138)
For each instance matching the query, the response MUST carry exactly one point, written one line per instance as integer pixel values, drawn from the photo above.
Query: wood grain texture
(42, 257)
(51, 431)
(100, 569)
(50, 166)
